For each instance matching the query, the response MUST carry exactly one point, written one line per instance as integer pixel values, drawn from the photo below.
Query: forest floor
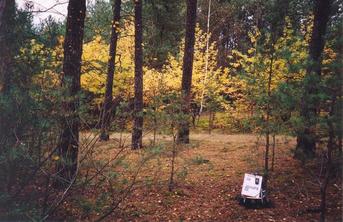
(208, 179)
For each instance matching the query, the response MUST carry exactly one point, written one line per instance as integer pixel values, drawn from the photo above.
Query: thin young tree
(306, 138)
(138, 100)
(107, 107)
(267, 119)
(187, 69)
(328, 161)
(68, 145)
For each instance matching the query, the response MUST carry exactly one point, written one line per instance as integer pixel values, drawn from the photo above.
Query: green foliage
(273, 73)
(29, 114)
(98, 20)
(235, 88)
(161, 33)
(182, 174)
(49, 31)
(199, 160)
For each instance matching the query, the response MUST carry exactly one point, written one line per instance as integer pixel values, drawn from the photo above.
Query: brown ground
(209, 177)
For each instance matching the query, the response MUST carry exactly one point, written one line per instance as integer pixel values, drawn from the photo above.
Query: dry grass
(209, 176)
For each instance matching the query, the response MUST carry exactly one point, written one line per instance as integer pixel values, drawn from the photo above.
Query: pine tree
(306, 139)
(8, 122)
(187, 69)
(68, 146)
(106, 112)
(7, 19)
(138, 102)
(161, 33)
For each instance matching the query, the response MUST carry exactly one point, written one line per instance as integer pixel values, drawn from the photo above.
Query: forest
(162, 110)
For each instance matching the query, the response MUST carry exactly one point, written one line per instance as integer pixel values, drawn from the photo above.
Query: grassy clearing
(209, 174)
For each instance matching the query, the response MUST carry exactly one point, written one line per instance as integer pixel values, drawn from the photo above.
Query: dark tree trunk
(7, 19)
(339, 94)
(187, 69)
(306, 139)
(107, 110)
(8, 123)
(69, 139)
(138, 103)
(277, 20)
(273, 152)
(268, 114)
(172, 172)
(212, 115)
(328, 164)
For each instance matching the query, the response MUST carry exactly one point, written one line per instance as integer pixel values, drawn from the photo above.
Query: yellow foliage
(94, 67)
(36, 54)
(207, 78)
(94, 57)
(284, 62)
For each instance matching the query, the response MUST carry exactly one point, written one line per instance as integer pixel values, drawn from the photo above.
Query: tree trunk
(7, 19)
(138, 103)
(187, 69)
(273, 152)
(8, 125)
(172, 172)
(106, 112)
(211, 121)
(69, 139)
(279, 12)
(7, 16)
(328, 165)
(306, 139)
(339, 94)
(268, 113)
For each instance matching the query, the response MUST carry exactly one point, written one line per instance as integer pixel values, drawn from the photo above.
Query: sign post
(252, 186)
(252, 194)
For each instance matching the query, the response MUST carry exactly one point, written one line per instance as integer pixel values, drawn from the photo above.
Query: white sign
(252, 186)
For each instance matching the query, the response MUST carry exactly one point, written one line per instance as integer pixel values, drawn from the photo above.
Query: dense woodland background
(126, 99)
